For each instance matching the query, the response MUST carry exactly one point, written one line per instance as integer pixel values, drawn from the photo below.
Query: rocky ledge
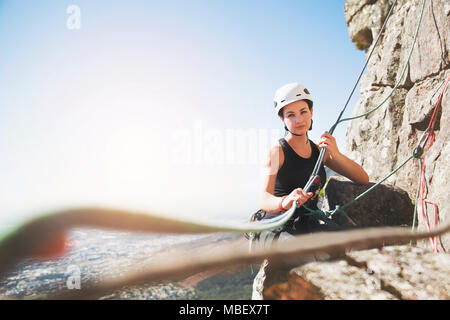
(401, 271)
(389, 273)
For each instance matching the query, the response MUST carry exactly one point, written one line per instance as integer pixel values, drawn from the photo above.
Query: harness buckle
(314, 187)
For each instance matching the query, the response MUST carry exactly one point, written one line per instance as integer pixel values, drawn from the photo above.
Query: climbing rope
(428, 138)
(329, 213)
(405, 67)
(316, 167)
(420, 150)
(419, 23)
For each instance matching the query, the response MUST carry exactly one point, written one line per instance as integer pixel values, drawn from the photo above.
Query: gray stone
(385, 205)
(365, 19)
(390, 273)
(385, 138)
(432, 47)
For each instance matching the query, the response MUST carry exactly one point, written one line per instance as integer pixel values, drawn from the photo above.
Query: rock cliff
(385, 138)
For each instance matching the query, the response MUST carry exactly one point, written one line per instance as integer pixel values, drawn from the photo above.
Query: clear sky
(165, 106)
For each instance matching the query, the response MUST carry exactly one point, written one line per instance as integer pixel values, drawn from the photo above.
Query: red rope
(423, 184)
(433, 241)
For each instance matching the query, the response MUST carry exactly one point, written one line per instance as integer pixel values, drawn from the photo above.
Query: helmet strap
(298, 135)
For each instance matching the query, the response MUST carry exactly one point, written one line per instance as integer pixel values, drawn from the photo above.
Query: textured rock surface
(364, 19)
(385, 138)
(408, 272)
(390, 273)
(385, 205)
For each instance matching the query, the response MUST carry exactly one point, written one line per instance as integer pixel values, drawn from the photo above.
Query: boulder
(385, 205)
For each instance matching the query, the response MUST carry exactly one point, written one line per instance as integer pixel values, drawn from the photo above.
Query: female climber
(290, 162)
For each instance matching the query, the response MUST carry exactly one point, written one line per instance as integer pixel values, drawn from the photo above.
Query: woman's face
(297, 117)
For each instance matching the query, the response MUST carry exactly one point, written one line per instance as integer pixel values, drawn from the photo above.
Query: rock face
(390, 273)
(382, 140)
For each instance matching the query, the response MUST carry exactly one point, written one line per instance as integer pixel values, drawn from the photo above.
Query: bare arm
(268, 201)
(348, 168)
(338, 162)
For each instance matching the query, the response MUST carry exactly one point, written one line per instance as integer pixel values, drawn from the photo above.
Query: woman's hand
(339, 163)
(297, 194)
(328, 142)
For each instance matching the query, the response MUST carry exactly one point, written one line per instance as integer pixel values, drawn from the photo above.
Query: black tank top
(295, 172)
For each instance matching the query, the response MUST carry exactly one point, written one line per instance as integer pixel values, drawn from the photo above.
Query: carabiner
(418, 150)
(423, 139)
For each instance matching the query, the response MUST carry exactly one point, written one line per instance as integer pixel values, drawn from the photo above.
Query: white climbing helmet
(291, 92)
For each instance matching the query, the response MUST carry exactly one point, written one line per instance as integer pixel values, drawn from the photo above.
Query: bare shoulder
(276, 148)
(275, 157)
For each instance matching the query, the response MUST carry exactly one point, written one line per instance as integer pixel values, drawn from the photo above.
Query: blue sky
(163, 106)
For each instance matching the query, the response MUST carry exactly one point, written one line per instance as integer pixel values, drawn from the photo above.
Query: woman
(291, 161)
(289, 165)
